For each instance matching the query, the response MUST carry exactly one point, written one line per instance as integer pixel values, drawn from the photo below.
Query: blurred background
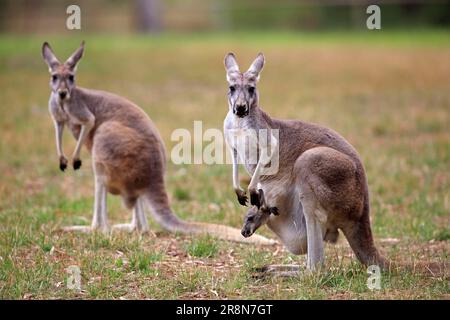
(30, 16)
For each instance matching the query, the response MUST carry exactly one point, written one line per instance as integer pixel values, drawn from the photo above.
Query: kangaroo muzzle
(63, 94)
(246, 232)
(240, 110)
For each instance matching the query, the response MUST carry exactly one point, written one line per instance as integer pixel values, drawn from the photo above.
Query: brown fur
(127, 151)
(320, 173)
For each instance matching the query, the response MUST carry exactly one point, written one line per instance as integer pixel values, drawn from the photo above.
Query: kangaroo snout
(241, 110)
(62, 94)
(246, 232)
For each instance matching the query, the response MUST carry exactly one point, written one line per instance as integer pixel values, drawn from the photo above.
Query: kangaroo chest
(59, 112)
(244, 136)
(247, 151)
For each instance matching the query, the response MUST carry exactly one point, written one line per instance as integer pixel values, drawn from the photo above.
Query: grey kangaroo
(320, 185)
(128, 155)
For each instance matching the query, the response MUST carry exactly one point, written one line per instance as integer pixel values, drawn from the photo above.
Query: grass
(204, 247)
(387, 93)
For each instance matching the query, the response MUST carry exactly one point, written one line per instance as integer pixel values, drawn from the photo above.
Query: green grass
(387, 93)
(142, 261)
(203, 247)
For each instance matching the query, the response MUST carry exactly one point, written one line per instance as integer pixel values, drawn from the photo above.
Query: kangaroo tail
(160, 208)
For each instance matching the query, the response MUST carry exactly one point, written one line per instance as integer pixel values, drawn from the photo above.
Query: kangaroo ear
(256, 67)
(231, 66)
(49, 57)
(262, 198)
(274, 211)
(75, 57)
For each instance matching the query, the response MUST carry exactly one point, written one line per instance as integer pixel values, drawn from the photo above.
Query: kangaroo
(257, 217)
(319, 188)
(128, 155)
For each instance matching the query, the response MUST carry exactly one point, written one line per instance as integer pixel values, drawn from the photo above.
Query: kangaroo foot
(85, 229)
(277, 270)
(129, 227)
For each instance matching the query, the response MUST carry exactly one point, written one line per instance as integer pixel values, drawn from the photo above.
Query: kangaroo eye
(251, 90)
(232, 89)
(71, 78)
(54, 77)
(250, 219)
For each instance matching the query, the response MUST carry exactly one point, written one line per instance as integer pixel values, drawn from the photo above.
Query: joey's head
(255, 218)
(242, 94)
(62, 80)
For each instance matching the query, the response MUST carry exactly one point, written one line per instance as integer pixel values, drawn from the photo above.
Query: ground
(387, 93)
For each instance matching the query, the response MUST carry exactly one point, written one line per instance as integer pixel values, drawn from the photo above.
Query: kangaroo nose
(245, 233)
(241, 110)
(62, 94)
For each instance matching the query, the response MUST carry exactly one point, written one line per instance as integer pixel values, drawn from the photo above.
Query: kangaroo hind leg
(100, 216)
(331, 194)
(138, 221)
(314, 218)
(314, 193)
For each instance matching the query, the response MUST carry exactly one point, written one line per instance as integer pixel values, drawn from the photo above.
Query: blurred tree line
(27, 16)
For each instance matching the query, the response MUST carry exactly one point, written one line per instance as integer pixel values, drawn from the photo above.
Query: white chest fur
(242, 135)
(57, 110)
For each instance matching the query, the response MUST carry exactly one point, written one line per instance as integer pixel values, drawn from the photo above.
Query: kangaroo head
(62, 80)
(257, 217)
(243, 95)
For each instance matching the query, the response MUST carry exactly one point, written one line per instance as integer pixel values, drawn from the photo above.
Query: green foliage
(203, 247)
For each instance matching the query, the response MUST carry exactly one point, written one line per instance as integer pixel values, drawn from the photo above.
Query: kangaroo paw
(255, 198)
(62, 163)
(242, 197)
(76, 164)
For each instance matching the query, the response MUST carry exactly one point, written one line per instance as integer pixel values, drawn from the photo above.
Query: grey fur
(128, 155)
(321, 184)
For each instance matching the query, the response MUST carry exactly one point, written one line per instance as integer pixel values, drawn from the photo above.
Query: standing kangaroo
(320, 185)
(128, 156)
